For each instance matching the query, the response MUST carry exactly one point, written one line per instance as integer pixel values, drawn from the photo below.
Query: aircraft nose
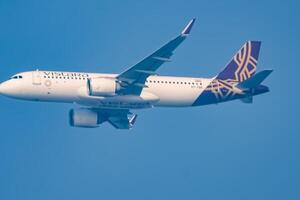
(5, 88)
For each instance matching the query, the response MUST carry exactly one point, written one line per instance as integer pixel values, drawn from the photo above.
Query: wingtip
(133, 119)
(188, 28)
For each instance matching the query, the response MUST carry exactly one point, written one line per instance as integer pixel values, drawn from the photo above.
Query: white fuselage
(70, 87)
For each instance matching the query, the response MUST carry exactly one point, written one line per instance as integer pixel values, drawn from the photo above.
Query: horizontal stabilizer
(255, 80)
(247, 99)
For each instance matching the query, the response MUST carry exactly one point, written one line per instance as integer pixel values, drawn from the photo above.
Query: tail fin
(243, 65)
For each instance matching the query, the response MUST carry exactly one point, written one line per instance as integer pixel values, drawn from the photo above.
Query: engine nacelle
(84, 118)
(102, 86)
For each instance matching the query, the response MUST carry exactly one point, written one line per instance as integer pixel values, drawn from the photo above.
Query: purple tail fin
(243, 65)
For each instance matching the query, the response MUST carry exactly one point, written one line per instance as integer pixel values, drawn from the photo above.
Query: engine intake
(102, 86)
(84, 118)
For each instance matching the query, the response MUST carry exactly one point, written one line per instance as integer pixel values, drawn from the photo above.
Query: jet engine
(84, 118)
(102, 86)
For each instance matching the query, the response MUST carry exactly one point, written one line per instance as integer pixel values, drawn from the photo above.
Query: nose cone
(6, 88)
(3, 88)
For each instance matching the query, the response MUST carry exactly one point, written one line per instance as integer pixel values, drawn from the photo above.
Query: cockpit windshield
(17, 77)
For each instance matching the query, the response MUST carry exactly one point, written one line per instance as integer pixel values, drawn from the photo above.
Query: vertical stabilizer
(243, 65)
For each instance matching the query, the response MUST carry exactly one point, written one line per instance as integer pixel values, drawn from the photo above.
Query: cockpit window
(16, 77)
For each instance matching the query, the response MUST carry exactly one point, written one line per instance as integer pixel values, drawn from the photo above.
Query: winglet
(186, 31)
(132, 120)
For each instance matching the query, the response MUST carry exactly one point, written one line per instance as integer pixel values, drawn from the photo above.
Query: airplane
(111, 97)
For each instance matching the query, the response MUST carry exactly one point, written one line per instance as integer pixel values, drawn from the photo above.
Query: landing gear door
(36, 78)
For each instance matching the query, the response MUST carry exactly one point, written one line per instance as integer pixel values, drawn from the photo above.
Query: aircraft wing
(133, 79)
(118, 118)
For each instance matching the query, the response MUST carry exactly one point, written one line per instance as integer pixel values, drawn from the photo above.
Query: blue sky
(225, 151)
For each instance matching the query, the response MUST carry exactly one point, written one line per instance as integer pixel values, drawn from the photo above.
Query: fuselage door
(36, 77)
